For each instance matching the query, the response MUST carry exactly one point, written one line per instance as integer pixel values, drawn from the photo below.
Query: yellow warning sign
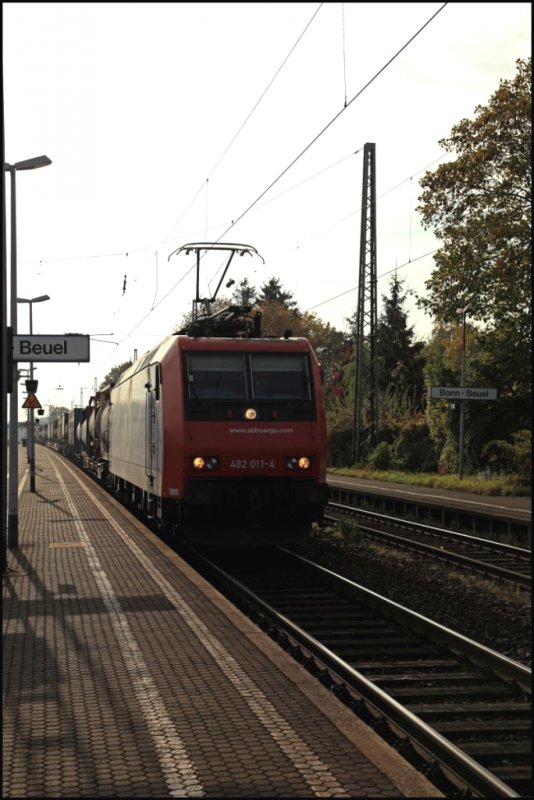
(31, 401)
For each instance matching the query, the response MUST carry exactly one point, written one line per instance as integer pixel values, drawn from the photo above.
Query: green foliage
(479, 205)
(500, 456)
(272, 291)
(381, 458)
(397, 407)
(56, 411)
(494, 486)
(443, 363)
(244, 294)
(484, 420)
(399, 358)
(340, 445)
(414, 450)
(218, 304)
(347, 530)
(522, 444)
(449, 458)
(399, 372)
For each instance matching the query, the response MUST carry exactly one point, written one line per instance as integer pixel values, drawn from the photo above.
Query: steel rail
(485, 545)
(468, 771)
(482, 655)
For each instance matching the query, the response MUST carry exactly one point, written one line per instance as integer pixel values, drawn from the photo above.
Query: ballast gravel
(488, 612)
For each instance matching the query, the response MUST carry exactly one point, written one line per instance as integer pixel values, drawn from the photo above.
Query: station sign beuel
(462, 393)
(66, 347)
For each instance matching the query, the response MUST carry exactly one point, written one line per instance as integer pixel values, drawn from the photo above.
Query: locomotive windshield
(217, 381)
(279, 376)
(216, 376)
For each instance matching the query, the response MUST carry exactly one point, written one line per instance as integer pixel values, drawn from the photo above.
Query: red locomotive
(218, 429)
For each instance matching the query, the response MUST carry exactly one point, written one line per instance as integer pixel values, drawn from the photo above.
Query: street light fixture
(463, 314)
(31, 430)
(13, 513)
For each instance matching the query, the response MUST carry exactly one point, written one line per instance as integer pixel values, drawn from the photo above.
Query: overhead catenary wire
(344, 58)
(331, 122)
(311, 177)
(204, 183)
(124, 253)
(382, 275)
(254, 107)
(356, 210)
(308, 146)
(294, 161)
(155, 305)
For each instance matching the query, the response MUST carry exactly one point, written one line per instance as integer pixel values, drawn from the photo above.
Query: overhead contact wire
(334, 118)
(256, 104)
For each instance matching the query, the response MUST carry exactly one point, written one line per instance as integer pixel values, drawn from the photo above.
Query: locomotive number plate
(252, 463)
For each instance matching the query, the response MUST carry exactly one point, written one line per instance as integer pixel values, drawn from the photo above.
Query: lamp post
(463, 313)
(31, 431)
(13, 512)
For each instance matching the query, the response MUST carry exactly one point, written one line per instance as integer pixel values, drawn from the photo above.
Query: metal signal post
(366, 372)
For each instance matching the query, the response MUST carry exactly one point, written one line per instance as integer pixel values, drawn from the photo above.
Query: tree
(272, 292)
(400, 363)
(114, 374)
(479, 206)
(244, 294)
(217, 305)
(484, 420)
(56, 411)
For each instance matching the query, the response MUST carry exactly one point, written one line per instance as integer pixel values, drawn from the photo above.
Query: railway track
(484, 556)
(457, 710)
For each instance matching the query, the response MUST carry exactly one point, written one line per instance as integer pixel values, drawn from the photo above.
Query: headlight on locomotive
(298, 462)
(205, 462)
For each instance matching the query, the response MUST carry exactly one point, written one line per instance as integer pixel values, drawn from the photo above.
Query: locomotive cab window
(280, 376)
(216, 376)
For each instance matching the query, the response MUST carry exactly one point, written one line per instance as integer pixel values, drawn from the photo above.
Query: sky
(168, 122)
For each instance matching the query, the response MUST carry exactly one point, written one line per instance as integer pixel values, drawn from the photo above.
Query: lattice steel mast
(365, 436)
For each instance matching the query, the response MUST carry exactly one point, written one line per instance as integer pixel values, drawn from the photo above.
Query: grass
(347, 530)
(508, 486)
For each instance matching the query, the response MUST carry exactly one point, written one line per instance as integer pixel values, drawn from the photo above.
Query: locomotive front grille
(261, 494)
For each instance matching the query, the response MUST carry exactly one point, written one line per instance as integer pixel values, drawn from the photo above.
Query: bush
(414, 450)
(340, 448)
(498, 456)
(387, 433)
(381, 457)
(523, 454)
(502, 457)
(448, 458)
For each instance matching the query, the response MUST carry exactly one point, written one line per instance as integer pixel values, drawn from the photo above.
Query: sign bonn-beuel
(51, 348)
(462, 393)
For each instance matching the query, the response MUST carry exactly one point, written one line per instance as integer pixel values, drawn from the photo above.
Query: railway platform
(466, 510)
(127, 675)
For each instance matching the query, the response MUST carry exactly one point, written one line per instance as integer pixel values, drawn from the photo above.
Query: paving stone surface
(126, 675)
